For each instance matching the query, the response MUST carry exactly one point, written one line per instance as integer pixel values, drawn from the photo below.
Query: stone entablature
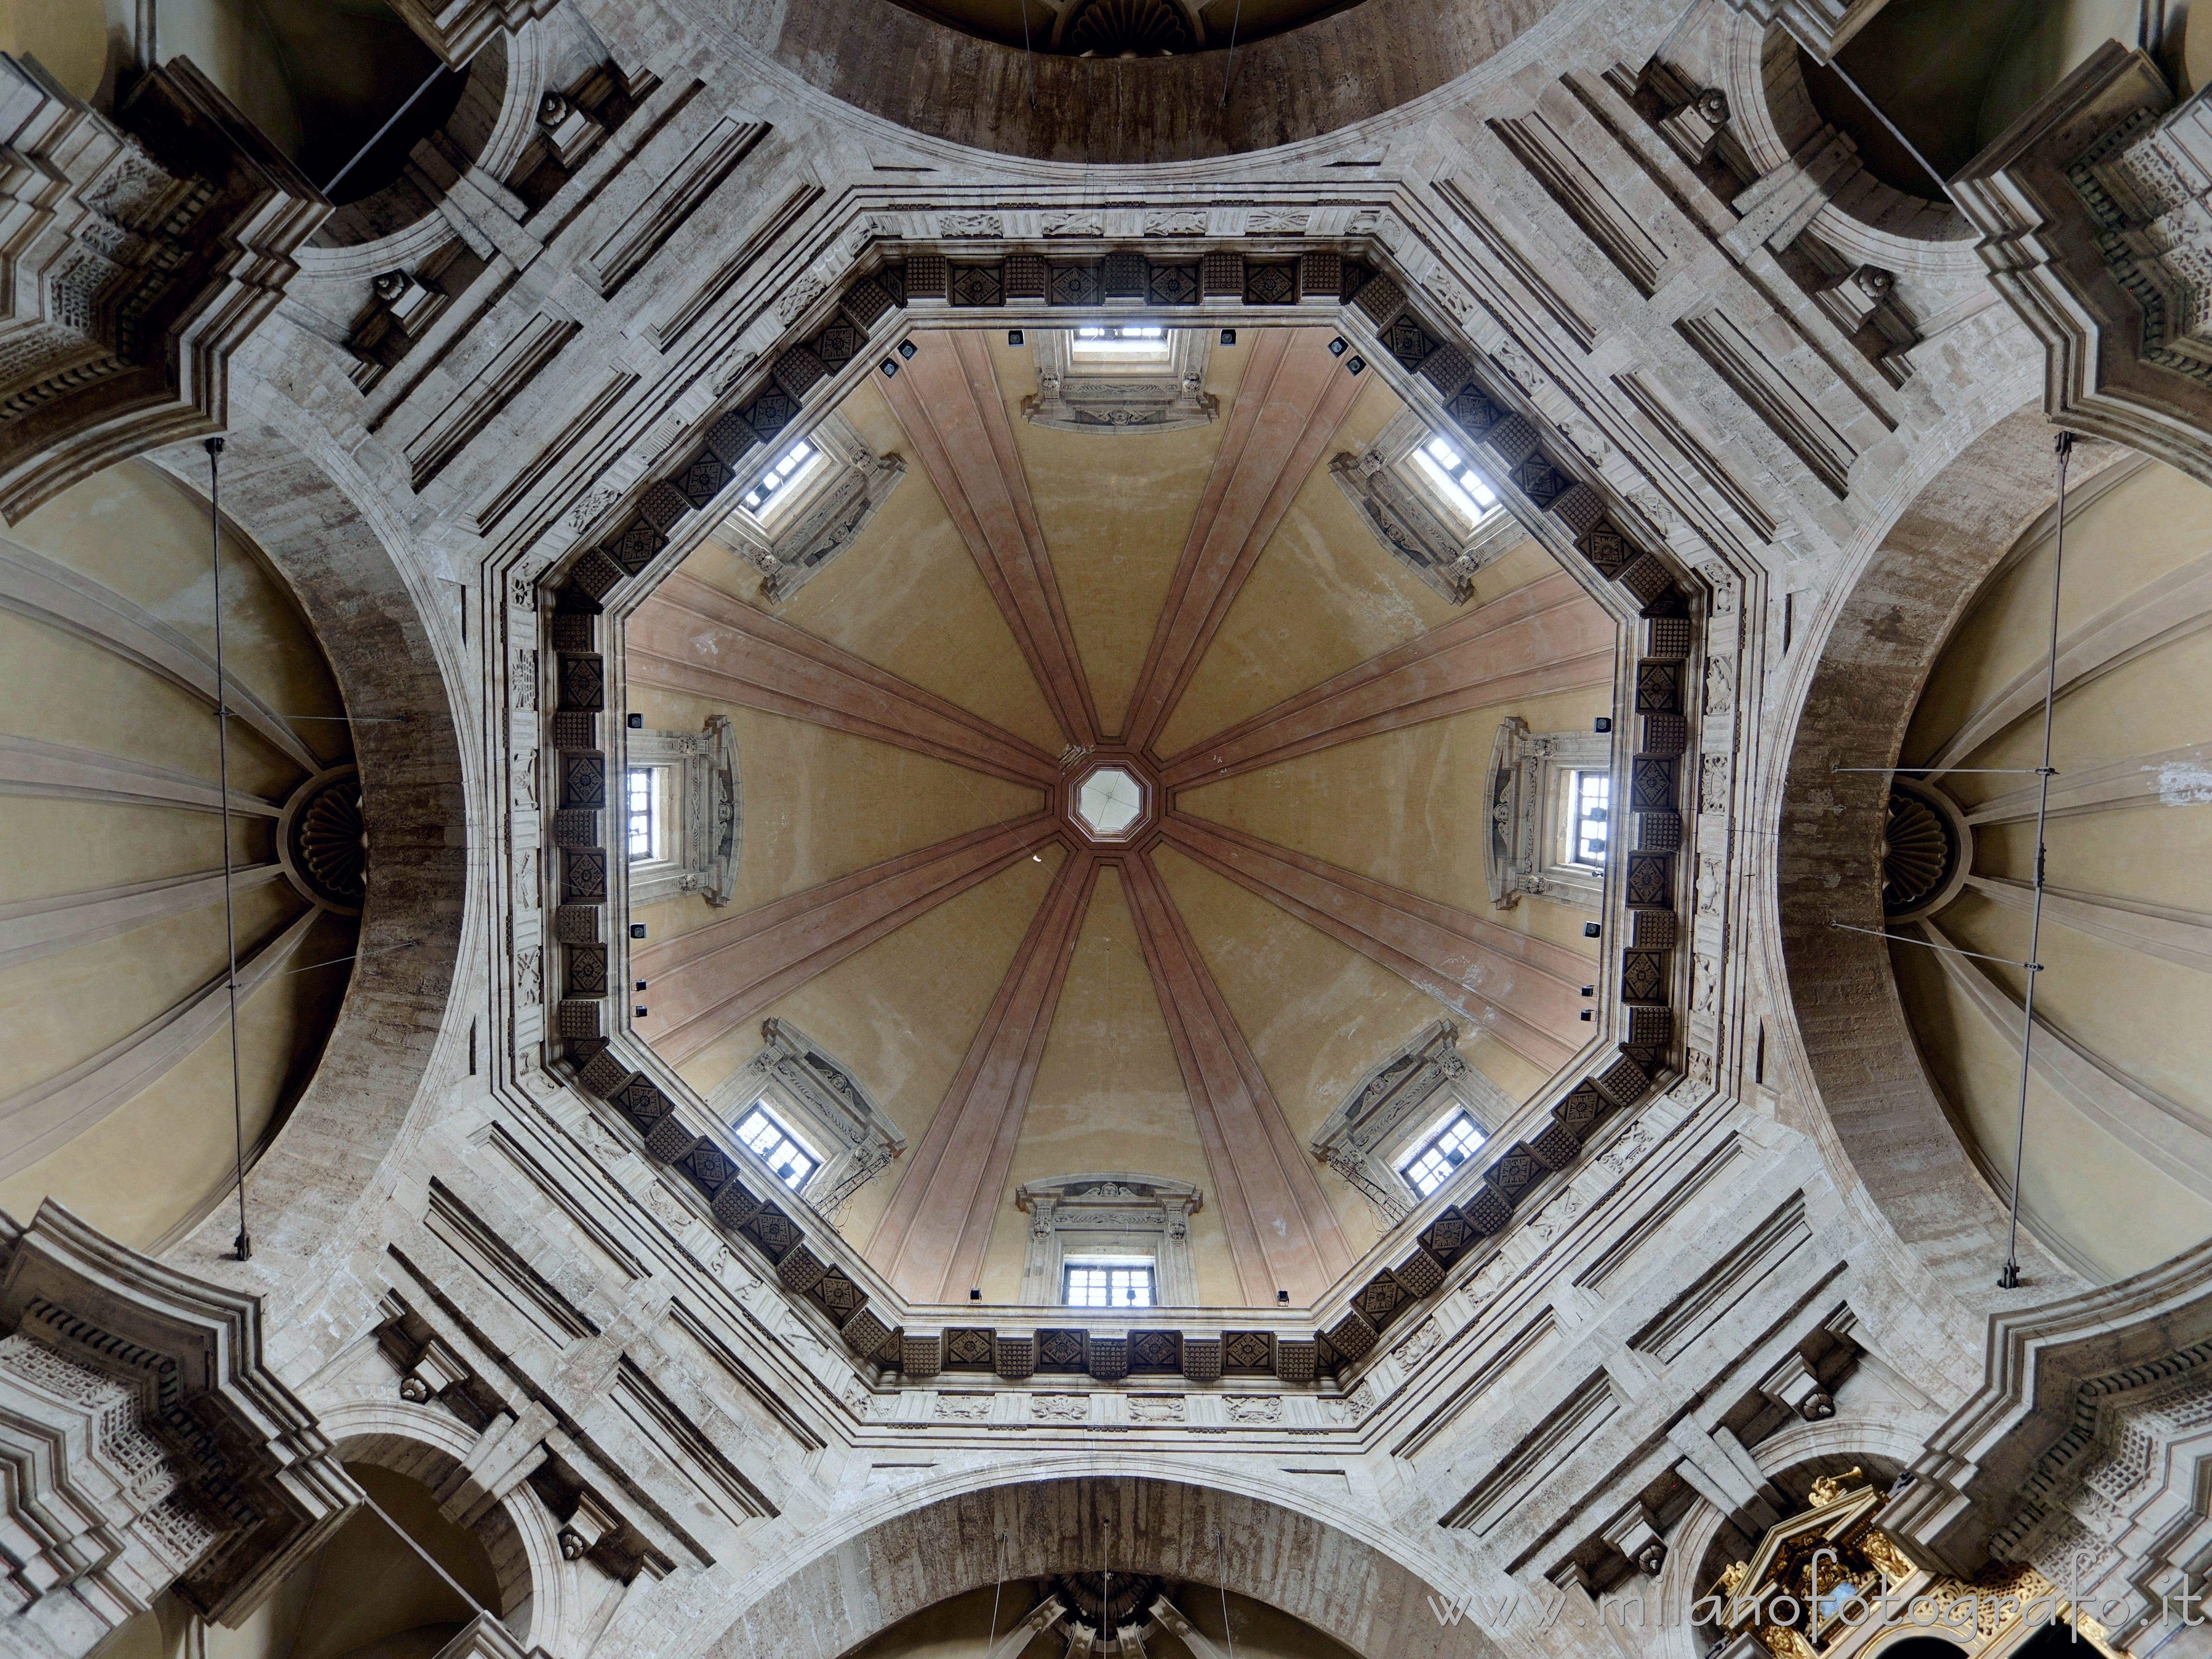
(168, 242)
(2093, 207)
(150, 1446)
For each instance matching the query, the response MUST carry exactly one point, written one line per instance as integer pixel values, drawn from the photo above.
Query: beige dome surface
(1314, 760)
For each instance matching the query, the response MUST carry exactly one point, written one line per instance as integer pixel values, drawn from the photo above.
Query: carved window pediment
(1523, 852)
(1083, 397)
(1366, 1140)
(1408, 514)
(818, 1096)
(793, 539)
(1104, 1215)
(704, 835)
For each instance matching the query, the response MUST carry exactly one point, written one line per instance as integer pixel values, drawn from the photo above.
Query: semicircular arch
(903, 1558)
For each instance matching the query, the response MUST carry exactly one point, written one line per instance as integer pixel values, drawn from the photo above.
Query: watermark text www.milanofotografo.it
(1923, 1610)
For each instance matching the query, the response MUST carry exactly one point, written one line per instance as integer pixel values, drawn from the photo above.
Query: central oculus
(1110, 800)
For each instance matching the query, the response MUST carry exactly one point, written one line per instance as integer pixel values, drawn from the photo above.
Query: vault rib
(931, 1240)
(694, 638)
(947, 396)
(1548, 636)
(707, 982)
(1291, 400)
(1282, 1233)
(1520, 990)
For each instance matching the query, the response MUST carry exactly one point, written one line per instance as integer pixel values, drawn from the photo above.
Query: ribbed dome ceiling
(1114, 801)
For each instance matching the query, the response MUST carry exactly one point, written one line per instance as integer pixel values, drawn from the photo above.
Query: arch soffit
(911, 1558)
(522, 1536)
(1881, 636)
(311, 1185)
(934, 80)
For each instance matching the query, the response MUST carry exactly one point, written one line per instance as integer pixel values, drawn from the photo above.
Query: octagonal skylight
(1110, 801)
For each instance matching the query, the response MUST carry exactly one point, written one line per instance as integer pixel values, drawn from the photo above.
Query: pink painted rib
(931, 1240)
(1523, 990)
(706, 982)
(1291, 400)
(1282, 1231)
(1548, 636)
(947, 396)
(694, 638)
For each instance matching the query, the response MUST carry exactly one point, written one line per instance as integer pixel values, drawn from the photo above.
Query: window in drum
(1121, 343)
(1455, 479)
(1442, 1153)
(781, 1150)
(777, 478)
(1589, 806)
(642, 811)
(1107, 1283)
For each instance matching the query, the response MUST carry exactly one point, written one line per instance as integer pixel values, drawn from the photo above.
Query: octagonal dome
(1108, 796)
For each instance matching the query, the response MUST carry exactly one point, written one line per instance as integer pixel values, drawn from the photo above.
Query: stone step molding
(150, 1446)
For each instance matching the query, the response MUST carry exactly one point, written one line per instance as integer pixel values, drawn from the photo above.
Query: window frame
(1568, 848)
(1441, 1129)
(1417, 464)
(783, 481)
(1091, 347)
(763, 1108)
(829, 1110)
(657, 850)
(1110, 1266)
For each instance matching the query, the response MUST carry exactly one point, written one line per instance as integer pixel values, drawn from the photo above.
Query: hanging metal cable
(1028, 62)
(1221, 1566)
(2009, 1278)
(1236, 18)
(245, 1245)
(1000, 1567)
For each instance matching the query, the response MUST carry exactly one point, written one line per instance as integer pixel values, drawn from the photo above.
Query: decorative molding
(2171, 777)
(1102, 400)
(31, 928)
(1388, 489)
(2172, 934)
(47, 592)
(149, 247)
(1116, 1213)
(150, 1446)
(1520, 852)
(2092, 212)
(36, 1120)
(710, 812)
(1366, 1138)
(1282, 1233)
(795, 1075)
(830, 512)
(2164, 1133)
(693, 637)
(715, 978)
(931, 1237)
(947, 399)
(1547, 637)
(1519, 989)
(1293, 398)
(31, 766)
(2161, 612)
